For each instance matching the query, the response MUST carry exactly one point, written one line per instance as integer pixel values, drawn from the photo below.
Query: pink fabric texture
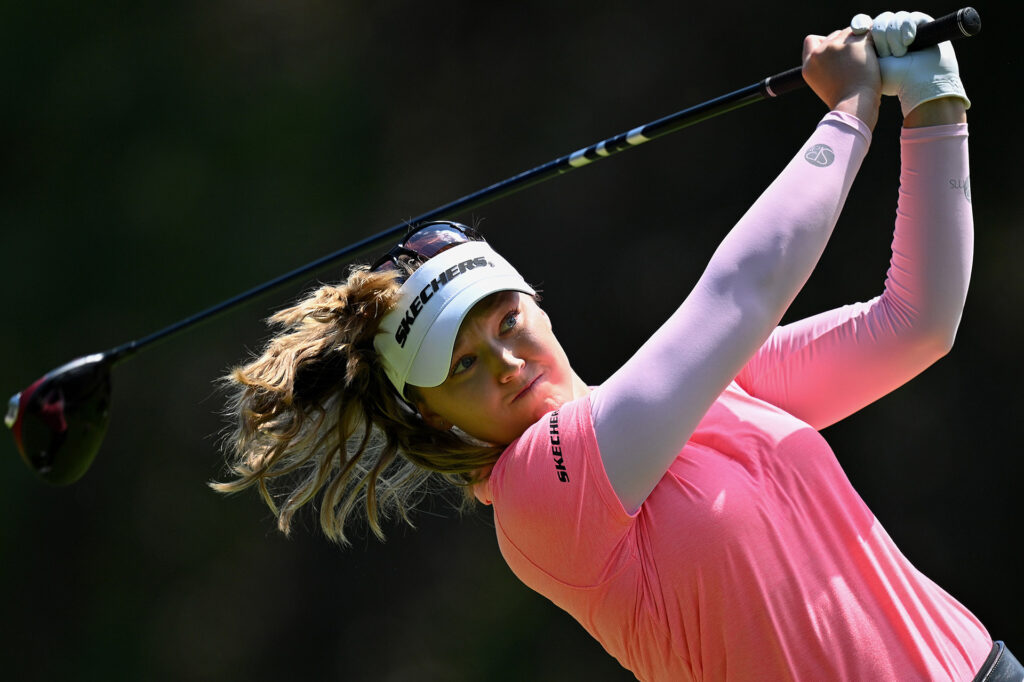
(826, 367)
(753, 558)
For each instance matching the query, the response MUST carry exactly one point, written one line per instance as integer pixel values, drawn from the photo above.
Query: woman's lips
(526, 389)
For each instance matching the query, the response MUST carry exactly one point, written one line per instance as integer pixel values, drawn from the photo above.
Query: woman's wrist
(937, 112)
(863, 104)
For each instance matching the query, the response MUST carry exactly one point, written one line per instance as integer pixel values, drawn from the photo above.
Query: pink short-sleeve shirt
(752, 559)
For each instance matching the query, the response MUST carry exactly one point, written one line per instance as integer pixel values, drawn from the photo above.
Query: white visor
(416, 338)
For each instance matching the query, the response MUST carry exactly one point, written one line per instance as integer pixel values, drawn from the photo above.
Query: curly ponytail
(316, 414)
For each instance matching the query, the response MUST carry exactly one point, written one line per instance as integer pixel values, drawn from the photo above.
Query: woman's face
(508, 370)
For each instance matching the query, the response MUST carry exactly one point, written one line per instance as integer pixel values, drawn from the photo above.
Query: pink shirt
(753, 558)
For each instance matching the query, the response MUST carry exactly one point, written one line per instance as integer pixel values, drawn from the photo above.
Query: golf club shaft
(962, 23)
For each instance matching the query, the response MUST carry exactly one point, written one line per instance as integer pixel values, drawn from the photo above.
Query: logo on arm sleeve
(556, 448)
(965, 185)
(820, 155)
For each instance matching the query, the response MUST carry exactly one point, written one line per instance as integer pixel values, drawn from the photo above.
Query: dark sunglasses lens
(425, 242)
(433, 239)
(384, 265)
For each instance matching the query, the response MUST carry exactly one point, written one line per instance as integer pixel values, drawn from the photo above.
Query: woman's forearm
(826, 367)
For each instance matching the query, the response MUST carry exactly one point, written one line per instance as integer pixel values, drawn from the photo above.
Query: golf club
(59, 421)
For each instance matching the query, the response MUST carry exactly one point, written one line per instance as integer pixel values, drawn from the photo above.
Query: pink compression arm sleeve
(645, 412)
(826, 367)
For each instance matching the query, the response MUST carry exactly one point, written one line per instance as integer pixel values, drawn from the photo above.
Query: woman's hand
(842, 69)
(927, 82)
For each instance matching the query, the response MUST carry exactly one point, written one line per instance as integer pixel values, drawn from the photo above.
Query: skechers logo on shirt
(820, 155)
(556, 448)
(402, 333)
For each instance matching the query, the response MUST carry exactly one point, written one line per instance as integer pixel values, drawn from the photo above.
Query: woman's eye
(462, 364)
(510, 321)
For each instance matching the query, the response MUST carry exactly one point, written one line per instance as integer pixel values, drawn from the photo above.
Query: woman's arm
(658, 397)
(824, 368)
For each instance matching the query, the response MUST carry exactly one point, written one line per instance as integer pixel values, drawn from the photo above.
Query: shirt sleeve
(823, 368)
(555, 511)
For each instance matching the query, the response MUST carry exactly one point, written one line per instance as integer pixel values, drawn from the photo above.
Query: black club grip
(962, 23)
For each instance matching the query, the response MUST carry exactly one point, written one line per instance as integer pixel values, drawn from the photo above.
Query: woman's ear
(431, 418)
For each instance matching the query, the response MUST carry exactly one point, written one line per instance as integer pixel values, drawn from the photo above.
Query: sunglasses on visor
(425, 241)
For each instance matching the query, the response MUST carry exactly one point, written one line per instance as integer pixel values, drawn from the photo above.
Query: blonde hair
(315, 414)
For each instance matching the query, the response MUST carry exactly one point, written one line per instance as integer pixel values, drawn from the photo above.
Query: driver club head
(59, 421)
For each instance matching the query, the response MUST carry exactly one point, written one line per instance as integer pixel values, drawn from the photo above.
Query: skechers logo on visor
(414, 309)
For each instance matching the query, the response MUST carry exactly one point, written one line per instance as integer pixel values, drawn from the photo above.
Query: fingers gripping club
(914, 77)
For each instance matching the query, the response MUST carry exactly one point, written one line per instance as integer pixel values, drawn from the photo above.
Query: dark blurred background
(159, 157)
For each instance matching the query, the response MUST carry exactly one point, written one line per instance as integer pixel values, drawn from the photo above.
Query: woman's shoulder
(550, 492)
(568, 426)
(555, 463)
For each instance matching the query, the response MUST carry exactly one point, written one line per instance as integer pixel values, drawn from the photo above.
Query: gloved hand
(914, 77)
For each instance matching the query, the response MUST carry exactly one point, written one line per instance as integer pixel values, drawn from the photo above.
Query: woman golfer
(685, 511)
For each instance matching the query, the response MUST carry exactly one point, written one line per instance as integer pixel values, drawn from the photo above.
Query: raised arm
(646, 411)
(826, 367)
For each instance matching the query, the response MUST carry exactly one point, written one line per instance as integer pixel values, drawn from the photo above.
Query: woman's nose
(508, 364)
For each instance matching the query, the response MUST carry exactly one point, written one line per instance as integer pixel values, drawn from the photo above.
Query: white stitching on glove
(914, 77)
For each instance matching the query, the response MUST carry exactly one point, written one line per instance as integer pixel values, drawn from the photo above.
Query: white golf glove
(914, 77)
